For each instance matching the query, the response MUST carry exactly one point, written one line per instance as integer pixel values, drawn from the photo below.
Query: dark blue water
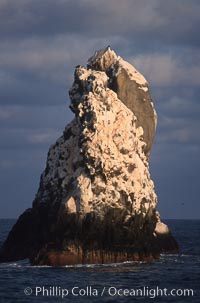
(177, 272)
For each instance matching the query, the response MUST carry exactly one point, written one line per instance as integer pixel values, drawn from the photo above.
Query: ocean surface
(174, 278)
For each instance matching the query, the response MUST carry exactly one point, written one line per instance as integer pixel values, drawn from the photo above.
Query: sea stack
(96, 201)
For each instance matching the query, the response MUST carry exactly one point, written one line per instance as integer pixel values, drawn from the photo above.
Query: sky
(41, 41)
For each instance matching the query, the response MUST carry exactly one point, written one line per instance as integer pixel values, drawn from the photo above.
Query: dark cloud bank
(42, 41)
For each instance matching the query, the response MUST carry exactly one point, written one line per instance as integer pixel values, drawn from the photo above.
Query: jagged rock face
(115, 172)
(131, 88)
(96, 201)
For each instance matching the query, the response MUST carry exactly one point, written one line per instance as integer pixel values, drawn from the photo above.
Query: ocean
(173, 278)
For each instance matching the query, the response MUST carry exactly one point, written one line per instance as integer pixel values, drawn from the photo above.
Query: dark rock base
(75, 256)
(88, 240)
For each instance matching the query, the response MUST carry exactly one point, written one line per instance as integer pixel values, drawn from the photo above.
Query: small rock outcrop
(96, 201)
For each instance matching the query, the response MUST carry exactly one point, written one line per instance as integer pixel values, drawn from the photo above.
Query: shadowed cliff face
(96, 201)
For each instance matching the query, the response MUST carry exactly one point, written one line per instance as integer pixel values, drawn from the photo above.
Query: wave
(25, 263)
(127, 264)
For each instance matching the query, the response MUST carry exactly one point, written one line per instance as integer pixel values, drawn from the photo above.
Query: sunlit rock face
(131, 88)
(96, 202)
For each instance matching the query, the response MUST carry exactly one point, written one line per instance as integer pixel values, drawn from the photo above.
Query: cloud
(40, 18)
(44, 136)
(50, 54)
(157, 21)
(26, 128)
(5, 114)
(182, 107)
(19, 178)
(179, 21)
(179, 131)
(40, 71)
(22, 139)
(169, 70)
(33, 117)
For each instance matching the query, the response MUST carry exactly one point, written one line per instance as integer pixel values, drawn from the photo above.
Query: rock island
(96, 201)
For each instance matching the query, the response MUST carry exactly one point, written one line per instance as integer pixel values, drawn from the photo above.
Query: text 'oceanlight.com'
(110, 291)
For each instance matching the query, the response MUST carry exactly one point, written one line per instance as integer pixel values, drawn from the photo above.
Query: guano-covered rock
(96, 201)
